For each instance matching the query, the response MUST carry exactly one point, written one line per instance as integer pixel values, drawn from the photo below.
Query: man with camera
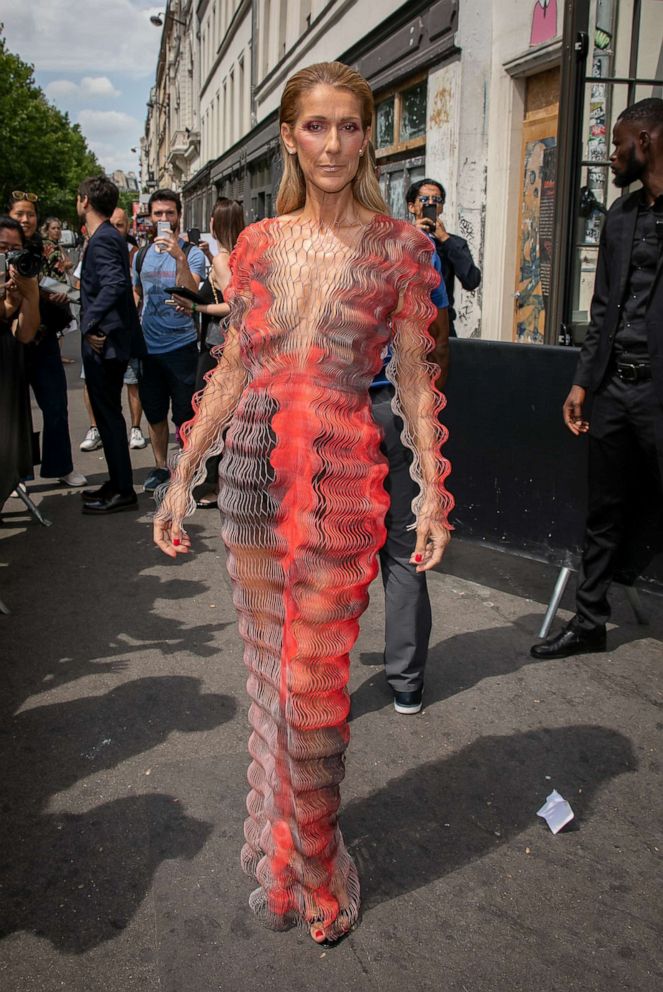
(425, 202)
(111, 336)
(19, 322)
(168, 373)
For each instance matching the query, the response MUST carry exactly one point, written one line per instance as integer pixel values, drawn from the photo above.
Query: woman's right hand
(170, 536)
(168, 530)
(19, 288)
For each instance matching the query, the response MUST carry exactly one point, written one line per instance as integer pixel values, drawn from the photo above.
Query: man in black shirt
(621, 363)
(453, 251)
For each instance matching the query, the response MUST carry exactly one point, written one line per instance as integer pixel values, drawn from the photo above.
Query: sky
(96, 60)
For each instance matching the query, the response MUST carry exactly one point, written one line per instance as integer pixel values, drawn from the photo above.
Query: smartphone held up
(164, 230)
(429, 212)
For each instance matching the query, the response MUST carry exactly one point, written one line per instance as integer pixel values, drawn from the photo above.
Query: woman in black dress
(19, 320)
(44, 366)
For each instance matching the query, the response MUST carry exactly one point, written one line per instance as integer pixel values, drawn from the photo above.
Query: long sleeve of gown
(416, 399)
(214, 407)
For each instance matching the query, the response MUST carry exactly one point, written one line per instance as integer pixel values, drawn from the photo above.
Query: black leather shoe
(571, 641)
(408, 702)
(103, 492)
(111, 504)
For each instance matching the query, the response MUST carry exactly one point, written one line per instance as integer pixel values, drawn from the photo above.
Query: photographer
(425, 202)
(43, 360)
(19, 320)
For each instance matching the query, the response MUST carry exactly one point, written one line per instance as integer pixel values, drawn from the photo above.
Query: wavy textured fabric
(303, 504)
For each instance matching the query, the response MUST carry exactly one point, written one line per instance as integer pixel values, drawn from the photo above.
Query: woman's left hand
(432, 541)
(182, 305)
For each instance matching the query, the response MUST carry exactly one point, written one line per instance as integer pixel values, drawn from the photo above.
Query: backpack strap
(142, 252)
(140, 258)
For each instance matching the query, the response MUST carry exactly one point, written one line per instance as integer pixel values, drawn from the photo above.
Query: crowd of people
(321, 338)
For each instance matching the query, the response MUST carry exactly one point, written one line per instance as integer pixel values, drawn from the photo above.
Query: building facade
(509, 104)
(170, 147)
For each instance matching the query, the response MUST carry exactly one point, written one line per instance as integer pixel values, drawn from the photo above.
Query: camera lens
(27, 263)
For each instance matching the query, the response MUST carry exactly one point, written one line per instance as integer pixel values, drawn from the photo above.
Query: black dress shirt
(631, 336)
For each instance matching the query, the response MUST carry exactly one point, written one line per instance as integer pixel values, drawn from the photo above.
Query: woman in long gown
(316, 295)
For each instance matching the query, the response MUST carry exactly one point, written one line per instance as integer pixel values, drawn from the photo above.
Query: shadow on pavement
(77, 879)
(84, 599)
(464, 660)
(436, 818)
(455, 664)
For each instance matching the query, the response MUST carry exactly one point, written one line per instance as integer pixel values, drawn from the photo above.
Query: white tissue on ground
(556, 812)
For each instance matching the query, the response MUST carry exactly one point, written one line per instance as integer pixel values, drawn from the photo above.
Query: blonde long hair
(292, 190)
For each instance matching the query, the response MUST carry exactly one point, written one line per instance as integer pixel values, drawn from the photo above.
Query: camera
(26, 261)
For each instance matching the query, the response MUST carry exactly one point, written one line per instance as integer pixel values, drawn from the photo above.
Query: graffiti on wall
(544, 22)
(468, 305)
(538, 207)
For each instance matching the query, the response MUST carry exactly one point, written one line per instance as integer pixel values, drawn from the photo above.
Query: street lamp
(157, 19)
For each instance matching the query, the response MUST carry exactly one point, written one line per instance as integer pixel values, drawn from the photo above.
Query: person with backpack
(168, 370)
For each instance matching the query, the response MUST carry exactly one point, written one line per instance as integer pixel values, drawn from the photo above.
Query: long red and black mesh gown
(303, 503)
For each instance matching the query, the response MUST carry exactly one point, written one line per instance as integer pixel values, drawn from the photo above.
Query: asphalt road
(123, 743)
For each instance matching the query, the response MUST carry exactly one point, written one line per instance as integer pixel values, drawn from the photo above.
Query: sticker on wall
(544, 22)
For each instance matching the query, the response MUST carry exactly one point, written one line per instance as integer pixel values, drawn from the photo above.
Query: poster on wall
(536, 232)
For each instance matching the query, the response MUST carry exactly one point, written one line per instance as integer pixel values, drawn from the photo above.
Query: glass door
(625, 64)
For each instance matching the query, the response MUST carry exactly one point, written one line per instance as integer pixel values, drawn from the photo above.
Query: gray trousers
(407, 606)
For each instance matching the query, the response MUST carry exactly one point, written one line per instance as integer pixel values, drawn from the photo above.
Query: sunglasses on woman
(18, 195)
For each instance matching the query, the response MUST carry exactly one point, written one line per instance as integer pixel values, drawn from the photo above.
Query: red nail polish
(418, 558)
(176, 541)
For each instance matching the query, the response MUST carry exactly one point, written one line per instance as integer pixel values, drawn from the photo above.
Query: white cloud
(98, 86)
(89, 87)
(83, 35)
(100, 122)
(61, 89)
(111, 134)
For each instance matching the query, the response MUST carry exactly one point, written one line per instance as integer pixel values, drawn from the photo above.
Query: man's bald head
(120, 221)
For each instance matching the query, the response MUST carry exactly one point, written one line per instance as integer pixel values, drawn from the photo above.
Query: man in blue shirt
(407, 605)
(168, 373)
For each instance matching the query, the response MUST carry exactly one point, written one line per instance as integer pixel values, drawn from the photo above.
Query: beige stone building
(509, 103)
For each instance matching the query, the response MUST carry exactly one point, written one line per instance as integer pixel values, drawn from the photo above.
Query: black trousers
(104, 378)
(623, 529)
(205, 364)
(407, 608)
(46, 375)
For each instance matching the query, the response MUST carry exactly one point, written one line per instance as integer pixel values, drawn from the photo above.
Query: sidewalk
(124, 764)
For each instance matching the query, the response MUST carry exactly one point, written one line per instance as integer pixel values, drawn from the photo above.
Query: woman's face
(328, 137)
(24, 212)
(54, 231)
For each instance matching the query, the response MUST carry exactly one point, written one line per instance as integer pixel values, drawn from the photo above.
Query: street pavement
(124, 759)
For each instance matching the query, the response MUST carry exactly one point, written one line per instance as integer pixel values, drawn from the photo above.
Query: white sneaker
(137, 440)
(91, 441)
(74, 479)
